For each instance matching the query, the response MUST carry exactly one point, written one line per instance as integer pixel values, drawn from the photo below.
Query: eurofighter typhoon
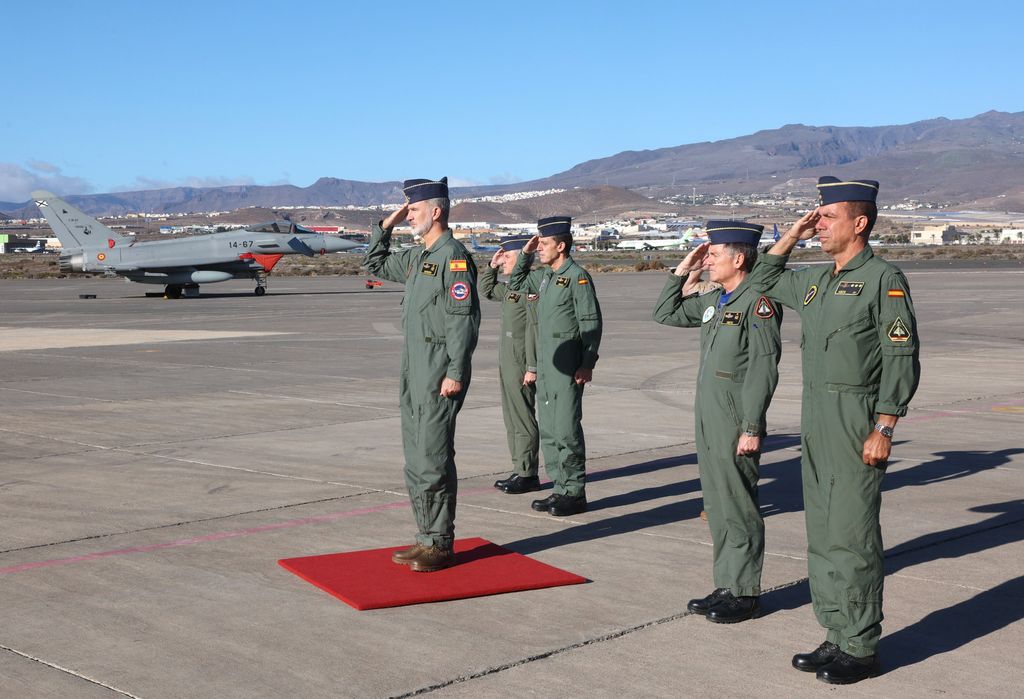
(181, 265)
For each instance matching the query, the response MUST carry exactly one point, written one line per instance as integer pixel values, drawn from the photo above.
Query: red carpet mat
(369, 580)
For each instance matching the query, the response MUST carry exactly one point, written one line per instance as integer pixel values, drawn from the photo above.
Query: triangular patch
(898, 331)
(764, 308)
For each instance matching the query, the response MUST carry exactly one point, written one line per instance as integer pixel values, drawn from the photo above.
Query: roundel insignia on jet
(764, 308)
(101, 256)
(459, 291)
(811, 293)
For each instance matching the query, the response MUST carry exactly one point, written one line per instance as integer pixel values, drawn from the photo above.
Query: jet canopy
(278, 227)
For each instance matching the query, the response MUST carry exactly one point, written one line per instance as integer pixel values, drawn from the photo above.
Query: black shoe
(517, 485)
(702, 605)
(543, 505)
(734, 610)
(565, 505)
(502, 483)
(846, 669)
(817, 658)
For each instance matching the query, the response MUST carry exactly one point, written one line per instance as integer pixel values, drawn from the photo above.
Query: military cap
(832, 189)
(514, 243)
(421, 190)
(554, 225)
(720, 232)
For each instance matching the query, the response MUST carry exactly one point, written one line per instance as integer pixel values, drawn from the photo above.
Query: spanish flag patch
(896, 293)
(457, 266)
(582, 281)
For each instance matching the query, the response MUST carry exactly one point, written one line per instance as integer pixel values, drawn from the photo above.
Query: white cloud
(17, 182)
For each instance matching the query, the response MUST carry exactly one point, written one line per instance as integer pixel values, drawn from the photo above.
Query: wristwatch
(750, 433)
(883, 430)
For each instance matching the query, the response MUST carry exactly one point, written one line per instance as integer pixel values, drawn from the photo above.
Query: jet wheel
(172, 291)
(260, 290)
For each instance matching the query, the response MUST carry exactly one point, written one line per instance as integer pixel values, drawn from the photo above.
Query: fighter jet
(181, 265)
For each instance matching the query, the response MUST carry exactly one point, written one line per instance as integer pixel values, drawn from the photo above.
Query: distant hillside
(977, 161)
(938, 160)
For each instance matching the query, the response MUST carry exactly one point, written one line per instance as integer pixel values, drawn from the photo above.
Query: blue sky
(106, 96)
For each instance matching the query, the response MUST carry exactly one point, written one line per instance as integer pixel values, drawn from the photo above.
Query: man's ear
(435, 213)
(860, 224)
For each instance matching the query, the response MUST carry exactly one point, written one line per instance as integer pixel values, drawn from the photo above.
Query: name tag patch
(731, 318)
(562, 281)
(513, 297)
(532, 297)
(849, 288)
(429, 269)
(811, 293)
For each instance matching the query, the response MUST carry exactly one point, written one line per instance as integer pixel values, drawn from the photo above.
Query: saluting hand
(693, 261)
(450, 387)
(532, 244)
(803, 229)
(395, 217)
(497, 258)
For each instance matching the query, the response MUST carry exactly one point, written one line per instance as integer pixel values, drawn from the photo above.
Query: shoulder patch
(562, 281)
(898, 331)
(764, 308)
(896, 294)
(811, 293)
(582, 281)
(457, 266)
(709, 313)
(459, 291)
(429, 269)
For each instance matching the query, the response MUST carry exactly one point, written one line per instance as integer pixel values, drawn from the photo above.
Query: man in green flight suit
(860, 370)
(441, 320)
(739, 356)
(517, 368)
(568, 337)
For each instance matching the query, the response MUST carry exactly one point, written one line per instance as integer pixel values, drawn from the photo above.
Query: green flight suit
(441, 320)
(517, 354)
(568, 337)
(860, 358)
(740, 348)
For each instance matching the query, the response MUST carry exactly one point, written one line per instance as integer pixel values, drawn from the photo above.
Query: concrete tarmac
(159, 457)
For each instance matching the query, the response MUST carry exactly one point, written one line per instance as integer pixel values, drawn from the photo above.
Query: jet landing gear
(172, 291)
(261, 284)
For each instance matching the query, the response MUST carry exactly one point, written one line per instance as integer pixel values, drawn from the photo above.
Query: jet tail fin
(72, 227)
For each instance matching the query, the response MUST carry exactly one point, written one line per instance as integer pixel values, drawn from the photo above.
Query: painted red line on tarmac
(315, 519)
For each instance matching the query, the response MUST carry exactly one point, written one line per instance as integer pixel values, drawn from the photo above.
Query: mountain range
(976, 162)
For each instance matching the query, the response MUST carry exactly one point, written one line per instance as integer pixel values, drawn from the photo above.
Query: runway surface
(160, 456)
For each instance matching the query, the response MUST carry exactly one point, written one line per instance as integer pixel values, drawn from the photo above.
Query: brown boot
(406, 556)
(433, 558)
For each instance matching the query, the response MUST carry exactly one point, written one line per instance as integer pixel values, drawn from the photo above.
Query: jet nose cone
(337, 244)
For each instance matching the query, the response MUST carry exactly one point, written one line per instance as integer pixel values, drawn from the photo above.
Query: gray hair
(748, 251)
(444, 204)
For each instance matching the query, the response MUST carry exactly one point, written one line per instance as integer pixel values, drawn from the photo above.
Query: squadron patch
(898, 331)
(459, 291)
(513, 297)
(764, 308)
(896, 294)
(562, 281)
(731, 318)
(709, 313)
(811, 293)
(429, 269)
(849, 288)
(457, 266)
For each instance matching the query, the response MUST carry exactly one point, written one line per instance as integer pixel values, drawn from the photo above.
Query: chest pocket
(853, 352)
